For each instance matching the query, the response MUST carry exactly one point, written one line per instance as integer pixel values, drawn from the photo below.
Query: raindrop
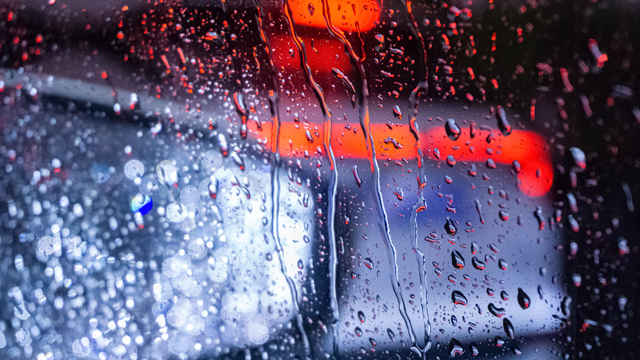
(458, 298)
(573, 203)
(539, 217)
(503, 122)
(508, 328)
(223, 144)
(397, 113)
(452, 129)
(503, 264)
(477, 263)
(213, 187)
(356, 176)
(523, 299)
(368, 263)
(451, 161)
(565, 305)
(457, 260)
(495, 310)
(391, 334)
(516, 166)
(450, 227)
(455, 348)
(361, 316)
(573, 223)
(167, 172)
(474, 350)
(579, 159)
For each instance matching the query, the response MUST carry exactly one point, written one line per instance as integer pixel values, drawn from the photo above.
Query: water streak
(333, 179)
(275, 184)
(365, 124)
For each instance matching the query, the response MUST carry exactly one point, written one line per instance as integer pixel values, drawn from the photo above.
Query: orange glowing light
(530, 150)
(346, 15)
(322, 54)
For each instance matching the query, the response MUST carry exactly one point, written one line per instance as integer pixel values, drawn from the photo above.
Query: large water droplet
(167, 172)
(508, 328)
(495, 310)
(457, 260)
(477, 263)
(455, 348)
(523, 299)
(452, 129)
(458, 298)
(450, 227)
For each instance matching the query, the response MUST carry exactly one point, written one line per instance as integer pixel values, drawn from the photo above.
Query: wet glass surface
(318, 179)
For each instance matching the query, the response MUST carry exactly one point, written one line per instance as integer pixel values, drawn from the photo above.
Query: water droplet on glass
(495, 310)
(458, 298)
(508, 328)
(477, 263)
(450, 227)
(455, 348)
(358, 331)
(457, 260)
(565, 305)
(523, 299)
(167, 172)
(452, 129)
(503, 122)
(579, 158)
(361, 317)
(397, 113)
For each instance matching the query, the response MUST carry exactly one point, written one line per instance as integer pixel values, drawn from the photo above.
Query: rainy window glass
(319, 179)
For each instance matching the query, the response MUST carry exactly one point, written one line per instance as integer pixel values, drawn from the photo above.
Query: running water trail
(420, 258)
(333, 179)
(275, 184)
(413, 99)
(365, 124)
